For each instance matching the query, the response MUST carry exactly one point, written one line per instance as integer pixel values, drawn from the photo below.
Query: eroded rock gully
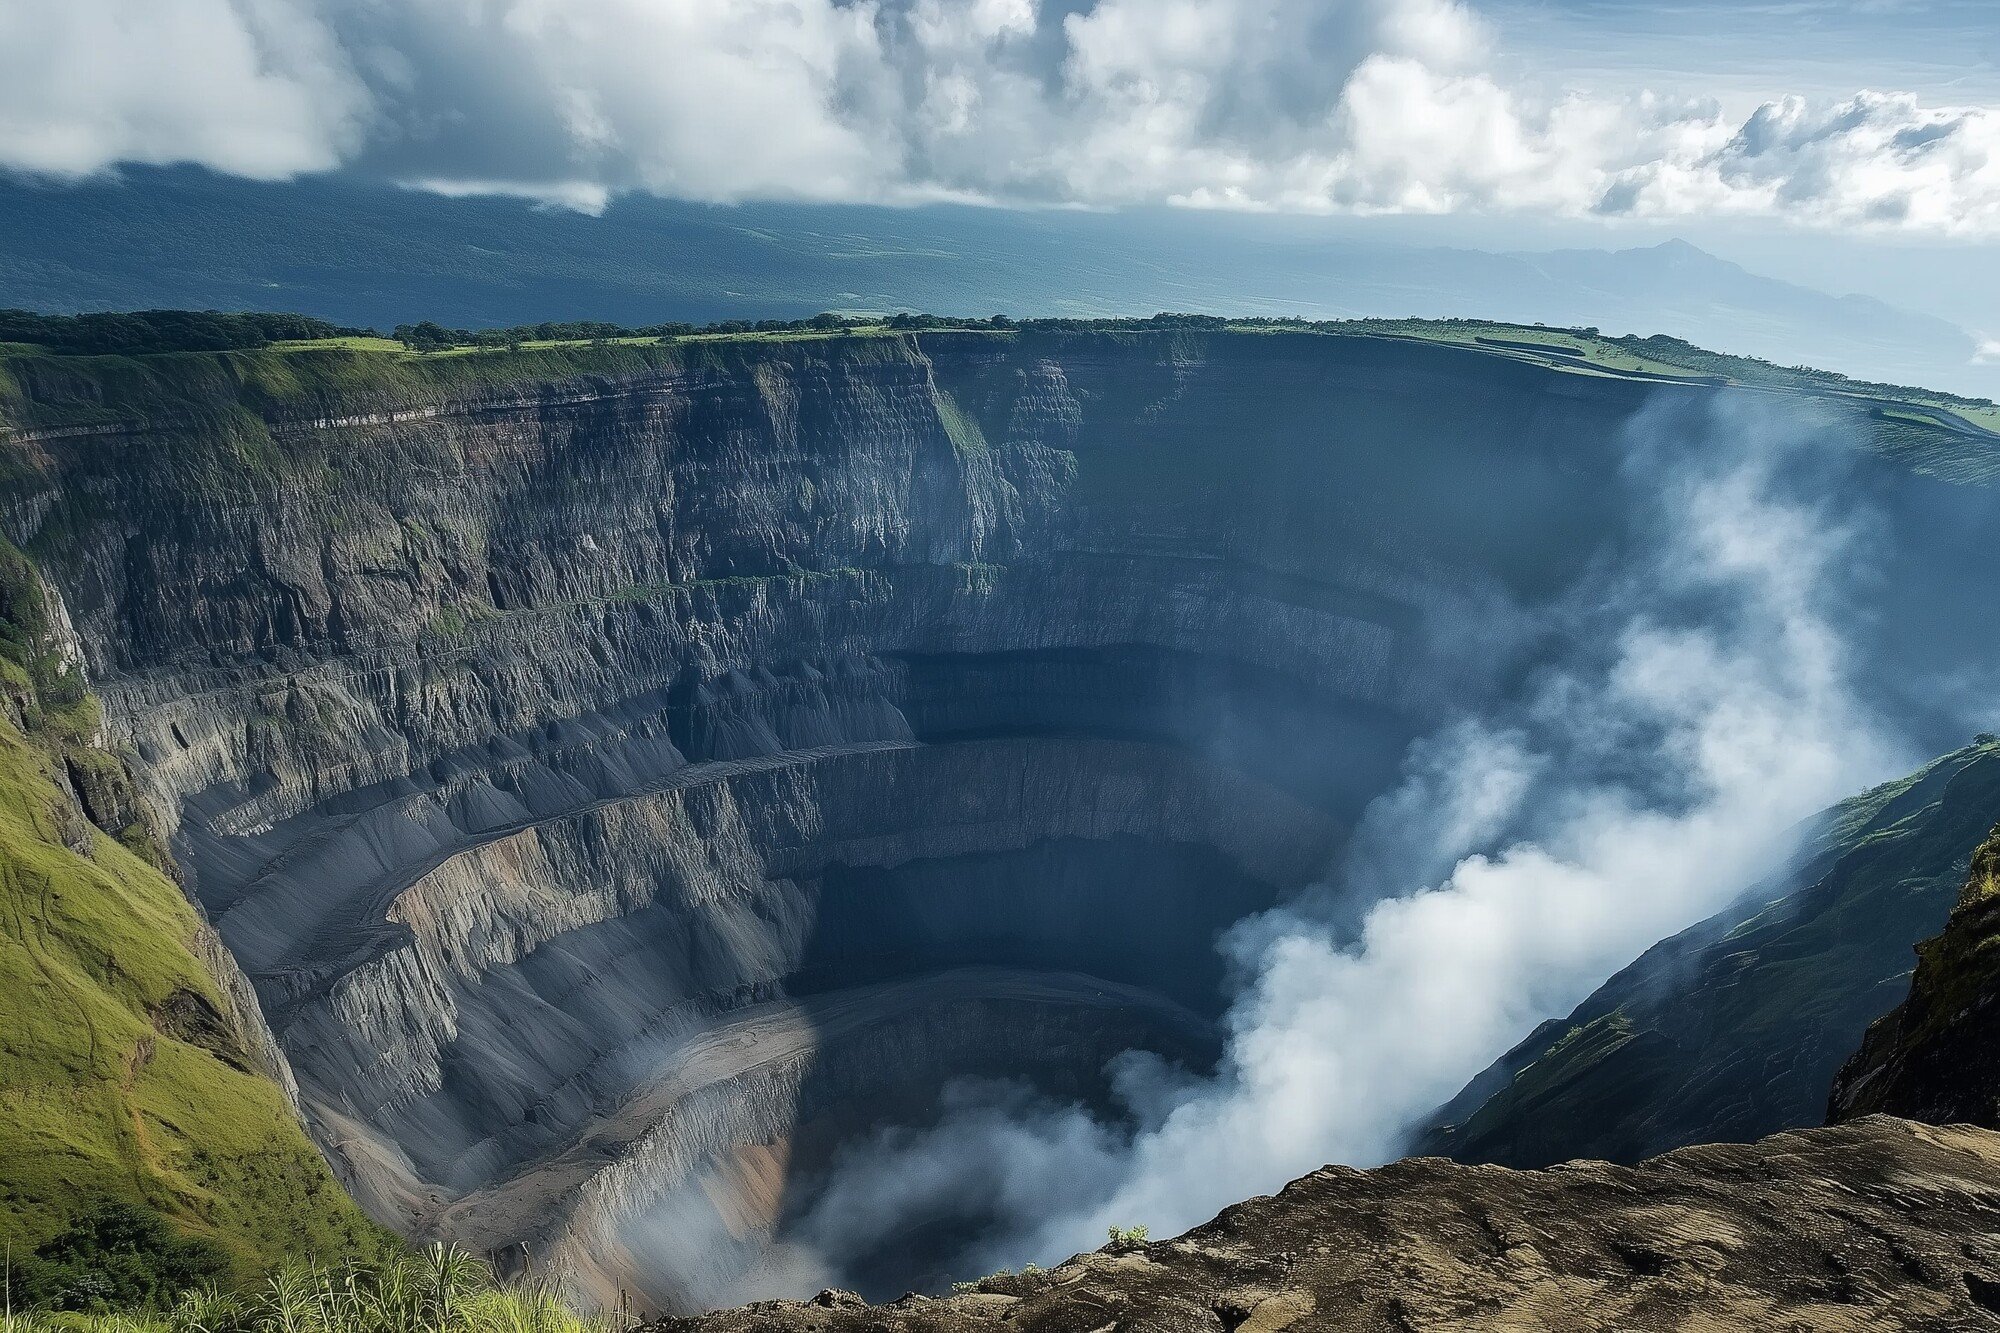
(630, 772)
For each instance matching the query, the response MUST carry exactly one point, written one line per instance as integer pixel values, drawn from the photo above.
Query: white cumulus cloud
(1299, 105)
(258, 88)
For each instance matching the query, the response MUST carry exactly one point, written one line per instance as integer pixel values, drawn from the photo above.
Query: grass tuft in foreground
(442, 1290)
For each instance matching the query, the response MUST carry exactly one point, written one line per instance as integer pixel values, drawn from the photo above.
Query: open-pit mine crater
(625, 776)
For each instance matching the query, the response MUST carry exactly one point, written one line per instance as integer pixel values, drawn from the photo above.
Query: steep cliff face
(1936, 1056)
(543, 731)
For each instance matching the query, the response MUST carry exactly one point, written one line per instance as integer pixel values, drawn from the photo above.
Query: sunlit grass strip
(441, 1290)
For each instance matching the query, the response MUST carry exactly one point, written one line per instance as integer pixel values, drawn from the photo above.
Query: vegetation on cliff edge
(121, 1080)
(1936, 1056)
(239, 394)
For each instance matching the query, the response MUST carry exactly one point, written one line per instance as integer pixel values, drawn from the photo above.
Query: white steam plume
(1701, 709)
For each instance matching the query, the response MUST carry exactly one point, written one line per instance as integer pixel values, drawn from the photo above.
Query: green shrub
(117, 1257)
(146, 331)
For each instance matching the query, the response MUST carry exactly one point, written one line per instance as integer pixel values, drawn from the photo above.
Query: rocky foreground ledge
(1877, 1224)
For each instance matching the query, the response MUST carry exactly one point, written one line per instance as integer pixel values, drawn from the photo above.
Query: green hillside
(123, 1077)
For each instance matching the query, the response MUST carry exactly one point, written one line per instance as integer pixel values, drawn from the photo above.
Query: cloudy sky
(1809, 115)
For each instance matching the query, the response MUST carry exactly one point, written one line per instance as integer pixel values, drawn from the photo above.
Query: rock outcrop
(1936, 1056)
(1878, 1225)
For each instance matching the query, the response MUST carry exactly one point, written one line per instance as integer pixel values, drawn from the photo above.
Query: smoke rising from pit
(1692, 704)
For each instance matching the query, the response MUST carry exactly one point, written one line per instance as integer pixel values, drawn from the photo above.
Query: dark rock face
(1936, 1056)
(1881, 1224)
(1735, 1028)
(535, 727)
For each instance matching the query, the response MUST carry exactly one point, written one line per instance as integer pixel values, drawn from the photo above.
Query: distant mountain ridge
(1677, 281)
(368, 254)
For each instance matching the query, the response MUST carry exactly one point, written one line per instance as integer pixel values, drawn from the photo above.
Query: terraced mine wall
(599, 760)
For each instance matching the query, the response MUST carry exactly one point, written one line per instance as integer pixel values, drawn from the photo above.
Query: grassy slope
(122, 1078)
(98, 1102)
(1667, 357)
(40, 392)
(443, 1290)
